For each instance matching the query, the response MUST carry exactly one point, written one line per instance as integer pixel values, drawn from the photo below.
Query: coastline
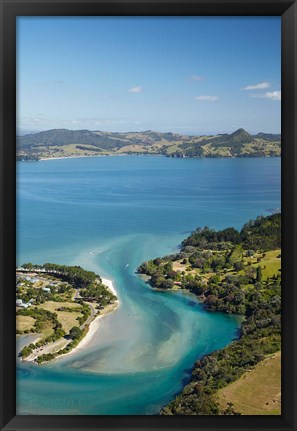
(110, 286)
(93, 327)
(102, 155)
(149, 155)
(70, 157)
(95, 324)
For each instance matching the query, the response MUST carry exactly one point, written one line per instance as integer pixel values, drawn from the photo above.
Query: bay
(108, 214)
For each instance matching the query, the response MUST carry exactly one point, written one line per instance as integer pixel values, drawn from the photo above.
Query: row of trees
(89, 283)
(76, 334)
(74, 274)
(42, 317)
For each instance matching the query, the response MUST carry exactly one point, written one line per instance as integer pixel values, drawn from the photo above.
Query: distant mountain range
(70, 143)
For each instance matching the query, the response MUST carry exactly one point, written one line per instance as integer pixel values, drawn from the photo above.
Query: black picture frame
(10, 9)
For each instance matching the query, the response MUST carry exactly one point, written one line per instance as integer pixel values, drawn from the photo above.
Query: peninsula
(62, 305)
(235, 272)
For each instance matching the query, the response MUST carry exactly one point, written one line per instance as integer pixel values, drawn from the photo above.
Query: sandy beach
(93, 328)
(95, 155)
(69, 157)
(95, 324)
(109, 284)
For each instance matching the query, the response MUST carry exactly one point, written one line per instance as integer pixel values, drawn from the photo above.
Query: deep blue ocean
(109, 214)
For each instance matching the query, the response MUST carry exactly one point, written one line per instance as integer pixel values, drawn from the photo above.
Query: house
(30, 279)
(46, 289)
(22, 304)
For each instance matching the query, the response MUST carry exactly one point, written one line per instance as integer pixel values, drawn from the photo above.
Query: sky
(191, 75)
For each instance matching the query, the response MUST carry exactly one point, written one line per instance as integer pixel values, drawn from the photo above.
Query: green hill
(61, 137)
(240, 136)
(234, 272)
(67, 143)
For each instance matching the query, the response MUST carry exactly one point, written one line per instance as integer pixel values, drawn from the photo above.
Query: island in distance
(57, 143)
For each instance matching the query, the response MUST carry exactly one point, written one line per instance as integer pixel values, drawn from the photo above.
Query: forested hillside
(233, 272)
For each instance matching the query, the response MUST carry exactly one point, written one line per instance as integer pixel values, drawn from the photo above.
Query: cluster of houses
(20, 303)
(20, 281)
(27, 278)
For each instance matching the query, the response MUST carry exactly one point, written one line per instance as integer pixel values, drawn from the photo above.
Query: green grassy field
(270, 263)
(256, 392)
(24, 323)
(66, 318)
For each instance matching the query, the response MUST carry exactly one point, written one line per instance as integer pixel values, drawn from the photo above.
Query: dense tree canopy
(225, 269)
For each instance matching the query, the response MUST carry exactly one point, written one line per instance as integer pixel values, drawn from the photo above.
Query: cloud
(207, 98)
(272, 95)
(196, 78)
(261, 86)
(135, 89)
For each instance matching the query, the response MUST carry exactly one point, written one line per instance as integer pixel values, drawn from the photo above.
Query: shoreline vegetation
(231, 271)
(63, 143)
(95, 323)
(235, 272)
(63, 305)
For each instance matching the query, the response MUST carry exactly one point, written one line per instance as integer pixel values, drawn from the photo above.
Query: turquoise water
(108, 214)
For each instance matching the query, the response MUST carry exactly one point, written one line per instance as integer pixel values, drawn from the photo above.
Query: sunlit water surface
(108, 214)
